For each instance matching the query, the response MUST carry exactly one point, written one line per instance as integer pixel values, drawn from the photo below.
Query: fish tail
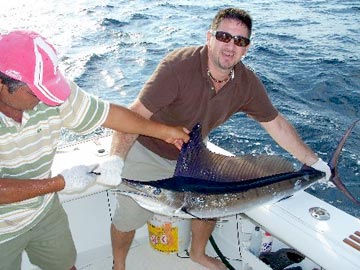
(335, 177)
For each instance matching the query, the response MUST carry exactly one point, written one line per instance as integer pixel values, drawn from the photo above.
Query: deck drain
(319, 213)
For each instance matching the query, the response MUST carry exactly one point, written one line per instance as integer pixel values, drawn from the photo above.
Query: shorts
(49, 244)
(144, 165)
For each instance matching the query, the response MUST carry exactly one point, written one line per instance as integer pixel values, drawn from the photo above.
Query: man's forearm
(15, 190)
(131, 122)
(121, 143)
(286, 136)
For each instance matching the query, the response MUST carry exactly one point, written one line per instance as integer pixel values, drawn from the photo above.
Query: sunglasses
(226, 37)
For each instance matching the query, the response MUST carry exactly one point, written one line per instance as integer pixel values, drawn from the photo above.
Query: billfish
(211, 185)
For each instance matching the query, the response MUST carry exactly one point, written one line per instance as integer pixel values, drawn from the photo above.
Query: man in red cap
(36, 101)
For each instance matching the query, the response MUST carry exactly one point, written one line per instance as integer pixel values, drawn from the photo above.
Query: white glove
(78, 178)
(110, 171)
(320, 165)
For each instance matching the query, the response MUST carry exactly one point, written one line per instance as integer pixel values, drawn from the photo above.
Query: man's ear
(208, 36)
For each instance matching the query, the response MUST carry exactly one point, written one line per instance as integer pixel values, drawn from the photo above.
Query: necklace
(218, 81)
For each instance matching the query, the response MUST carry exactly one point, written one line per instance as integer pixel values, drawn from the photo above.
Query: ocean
(306, 53)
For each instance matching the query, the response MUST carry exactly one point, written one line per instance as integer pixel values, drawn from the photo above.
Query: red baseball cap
(28, 57)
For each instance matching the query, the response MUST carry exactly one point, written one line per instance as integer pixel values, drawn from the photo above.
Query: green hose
(219, 253)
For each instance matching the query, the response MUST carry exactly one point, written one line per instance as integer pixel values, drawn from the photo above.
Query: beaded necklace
(218, 81)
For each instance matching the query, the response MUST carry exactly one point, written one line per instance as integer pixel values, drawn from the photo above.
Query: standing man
(36, 101)
(205, 85)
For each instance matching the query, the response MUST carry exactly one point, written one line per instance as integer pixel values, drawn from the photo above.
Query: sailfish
(211, 185)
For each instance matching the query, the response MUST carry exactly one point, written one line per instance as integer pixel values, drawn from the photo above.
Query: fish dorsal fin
(197, 161)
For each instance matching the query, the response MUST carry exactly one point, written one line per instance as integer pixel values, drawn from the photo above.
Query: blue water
(306, 53)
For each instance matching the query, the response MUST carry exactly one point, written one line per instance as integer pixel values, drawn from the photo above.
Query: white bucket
(169, 234)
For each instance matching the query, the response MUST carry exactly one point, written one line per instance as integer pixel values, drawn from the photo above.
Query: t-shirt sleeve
(258, 104)
(161, 89)
(82, 112)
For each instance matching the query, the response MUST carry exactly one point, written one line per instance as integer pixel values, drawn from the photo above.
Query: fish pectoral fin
(180, 209)
(183, 209)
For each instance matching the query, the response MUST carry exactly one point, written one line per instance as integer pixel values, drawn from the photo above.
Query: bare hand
(177, 136)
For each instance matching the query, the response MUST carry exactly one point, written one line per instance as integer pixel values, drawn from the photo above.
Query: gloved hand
(78, 178)
(320, 165)
(110, 171)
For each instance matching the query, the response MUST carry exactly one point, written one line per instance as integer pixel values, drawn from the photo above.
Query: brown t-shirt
(180, 93)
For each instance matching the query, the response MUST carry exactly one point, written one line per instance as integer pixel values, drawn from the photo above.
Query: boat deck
(141, 256)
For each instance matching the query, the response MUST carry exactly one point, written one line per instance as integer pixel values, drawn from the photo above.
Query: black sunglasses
(226, 37)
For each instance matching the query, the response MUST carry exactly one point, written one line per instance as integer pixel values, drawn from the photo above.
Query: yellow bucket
(169, 234)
